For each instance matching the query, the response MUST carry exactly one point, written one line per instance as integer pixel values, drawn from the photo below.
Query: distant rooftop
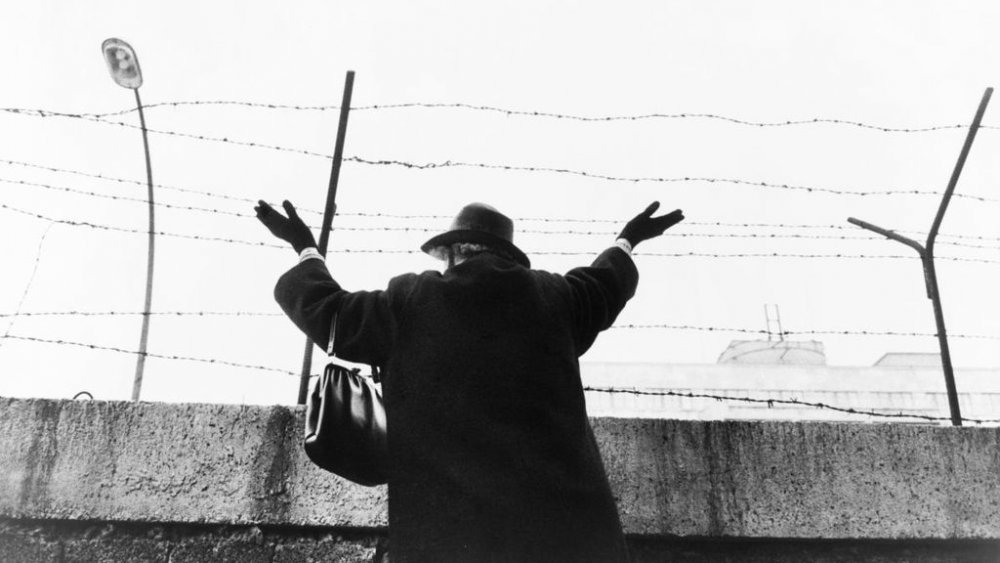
(909, 359)
(808, 352)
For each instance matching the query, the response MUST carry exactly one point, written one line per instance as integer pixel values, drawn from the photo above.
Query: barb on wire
(522, 168)
(27, 287)
(529, 113)
(772, 402)
(148, 354)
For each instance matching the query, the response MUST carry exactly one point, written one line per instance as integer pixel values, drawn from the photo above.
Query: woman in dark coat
(492, 454)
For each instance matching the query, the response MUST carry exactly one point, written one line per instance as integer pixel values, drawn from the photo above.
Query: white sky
(893, 64)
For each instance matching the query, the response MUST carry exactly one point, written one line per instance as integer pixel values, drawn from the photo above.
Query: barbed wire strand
(536, 253)
(629, 326)
(107, 178)
(771, 402)
(518, 168)
(27, 287)
(395, 229)
(543, 114)
(150, 354)
(101, 227)
(403, 216)
(657, 179)
(844, 332)
(74, 313)
(122, 197)
(704, 255)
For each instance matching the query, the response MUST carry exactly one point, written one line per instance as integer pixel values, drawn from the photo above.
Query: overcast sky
(902, 64)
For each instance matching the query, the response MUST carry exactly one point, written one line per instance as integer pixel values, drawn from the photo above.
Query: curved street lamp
(124, 68)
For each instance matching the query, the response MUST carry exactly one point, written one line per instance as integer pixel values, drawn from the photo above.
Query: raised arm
(311, 298)
(599, 292)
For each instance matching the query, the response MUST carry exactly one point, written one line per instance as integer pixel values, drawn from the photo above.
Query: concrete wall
(111, 481)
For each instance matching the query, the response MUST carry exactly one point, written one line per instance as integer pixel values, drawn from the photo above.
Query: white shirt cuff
(310, 253)
(624, 245)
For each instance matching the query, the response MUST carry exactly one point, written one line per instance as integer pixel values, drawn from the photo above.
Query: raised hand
(291, 229)
(644, 226)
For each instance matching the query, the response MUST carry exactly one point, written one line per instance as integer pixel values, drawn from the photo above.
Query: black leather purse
(345, 430)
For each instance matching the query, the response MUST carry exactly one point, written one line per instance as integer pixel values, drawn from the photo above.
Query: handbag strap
(376, 372)
(333, 335)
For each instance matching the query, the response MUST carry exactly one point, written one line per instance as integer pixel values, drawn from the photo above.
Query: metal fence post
(328, 213)
(926, 252)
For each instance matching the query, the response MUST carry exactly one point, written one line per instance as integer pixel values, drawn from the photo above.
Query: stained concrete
(242, 465)
(89, 542)
(64, 542)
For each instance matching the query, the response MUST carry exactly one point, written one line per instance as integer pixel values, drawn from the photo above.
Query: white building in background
(787, 370)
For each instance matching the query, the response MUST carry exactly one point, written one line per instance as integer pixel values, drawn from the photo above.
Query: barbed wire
(628, 326)
(518, 168)
(103, 177)
(27, 287)
(687, 223)
(703, 255)
(543, 114)
(73, 313)
(781, 333)
(408, 228)
(180, 134)
(656, 179)
(102, 227)
(149, 354)
(770, 402)
(405, 216)
(536, 253)
(122, 197)
(384, 228)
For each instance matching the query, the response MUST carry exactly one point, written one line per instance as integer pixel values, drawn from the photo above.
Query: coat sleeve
(598, 293)
(366, 320)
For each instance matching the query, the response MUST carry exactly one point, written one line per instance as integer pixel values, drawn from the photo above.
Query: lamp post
(124, 68)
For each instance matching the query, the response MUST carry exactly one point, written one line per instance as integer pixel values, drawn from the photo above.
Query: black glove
(644, 226)
(291, 230)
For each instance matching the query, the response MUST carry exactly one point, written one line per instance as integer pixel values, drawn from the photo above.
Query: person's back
(492, 457)
(489, 430)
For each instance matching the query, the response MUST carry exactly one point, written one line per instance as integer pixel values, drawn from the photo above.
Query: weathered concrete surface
(152, 462)
(803, 480)
(213, 464)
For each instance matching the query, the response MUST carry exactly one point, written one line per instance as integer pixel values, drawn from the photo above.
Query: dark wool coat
(493, 457)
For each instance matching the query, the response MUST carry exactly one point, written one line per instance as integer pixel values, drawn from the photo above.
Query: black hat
(481, 224)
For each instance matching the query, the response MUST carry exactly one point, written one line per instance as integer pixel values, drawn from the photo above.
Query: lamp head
(122, 63)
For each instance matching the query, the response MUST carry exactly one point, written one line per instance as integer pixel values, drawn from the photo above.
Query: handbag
(345, 430)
